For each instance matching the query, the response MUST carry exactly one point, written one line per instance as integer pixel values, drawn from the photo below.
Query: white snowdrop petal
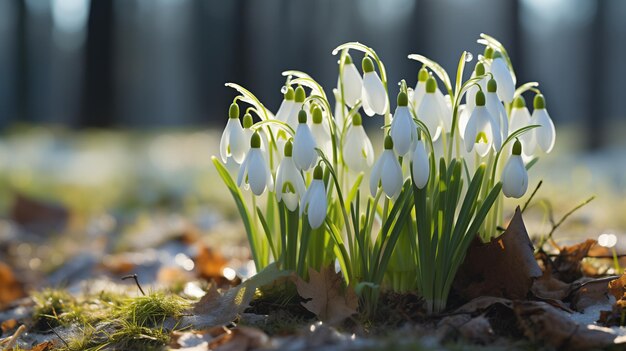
(418, 94)
(391, 175)
(520, 118)
(429, 113)
(545, 135)
(445, 109)
(421, 165)
(257, 173)
(317, 204)
(374, 94)
(239, 144)
(402, 130)
(304, 154)
(514, 178)
(241, 175)
(284, 110)
(353, 84)
(375, 175)
(469, 136)
(502, 75)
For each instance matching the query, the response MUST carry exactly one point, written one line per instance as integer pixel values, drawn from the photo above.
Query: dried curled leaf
(10, 288)
(329, 301)
(567, 266)
(504, 267)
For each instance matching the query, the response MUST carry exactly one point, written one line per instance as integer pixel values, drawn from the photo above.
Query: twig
(532, 196)
(555, 226)
(57, 334)
(587, 256)
(134, 277)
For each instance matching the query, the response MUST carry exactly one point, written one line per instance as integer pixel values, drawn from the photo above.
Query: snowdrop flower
(420, 88)
(496, 109)
(341, 111)
(520, 118)
(289, 183)
(358, 153)
(321, 132)
(314, 200)
(420, 165)
(304, 145)
(514, 175)
(481, 133)
(284, 111)
(352, 82)
(387, 171)
(502, 75)
(430, 111)
(254, 171)
(544, 135)
(373, 93)
(300, 96)
(445, 106)
(470, 96)
(233, 143)
(403, 129)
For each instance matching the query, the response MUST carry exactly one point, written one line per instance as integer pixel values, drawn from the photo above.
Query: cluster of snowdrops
(399, 218)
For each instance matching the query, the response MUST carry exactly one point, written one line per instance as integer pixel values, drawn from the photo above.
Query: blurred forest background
(146, 63)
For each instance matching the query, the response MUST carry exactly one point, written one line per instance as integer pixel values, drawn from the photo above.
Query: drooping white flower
(430, 111)
(387, 171)
(520, 118)
(420, 88)
(420, 165)
(403, 129)
(233, 142)
(254, 171)
(352, 82)
(514, 175)
(314, 203)
(470, 96)
(289, 183)
(321, 133)
(286, 106)
(445, 106)
(502, 75)
(341, 111)
(546, 134)
(304, 154)
(373, 93)
(358, 153)
(496, 109)
(481, 133)
(300, 96)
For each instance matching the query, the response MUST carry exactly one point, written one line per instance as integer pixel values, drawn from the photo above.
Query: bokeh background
(113, 108)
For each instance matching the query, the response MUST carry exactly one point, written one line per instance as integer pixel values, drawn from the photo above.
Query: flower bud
(480, 98)
(519, 102)
(347, 59)
(255, 141)
(488, 52)
(403, 99)
(388, 142)
(357, 120)
(492, 86)
(300, 94)
(423, 75)
(479, 69)
(302, 117)
(288, 148)
(318, 172)
(431, 85)
(367, 65)
(517, 148)
(290, 94)
(539, 102)
(233, 111)
(247, 121)
(317, 115)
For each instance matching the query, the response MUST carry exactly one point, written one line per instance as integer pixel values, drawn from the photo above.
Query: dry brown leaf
(240, 339)
(482, 303)
(210, 264)
(44, 346)
(330, 302)
(545, 324)
(588, 292)
(8, 326)
(504, 267)
(217, 308)
(548, 287)
(10, 288)
(617, 287)
(38, 216)
(567, 266)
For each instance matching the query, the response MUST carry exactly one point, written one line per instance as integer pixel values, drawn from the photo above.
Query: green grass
(108, 320)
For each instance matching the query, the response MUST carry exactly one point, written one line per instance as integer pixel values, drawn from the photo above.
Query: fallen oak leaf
(10, 288)
(217, 308)
(504, 267)
(567, 266)
(329, 301)
(240, 339)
